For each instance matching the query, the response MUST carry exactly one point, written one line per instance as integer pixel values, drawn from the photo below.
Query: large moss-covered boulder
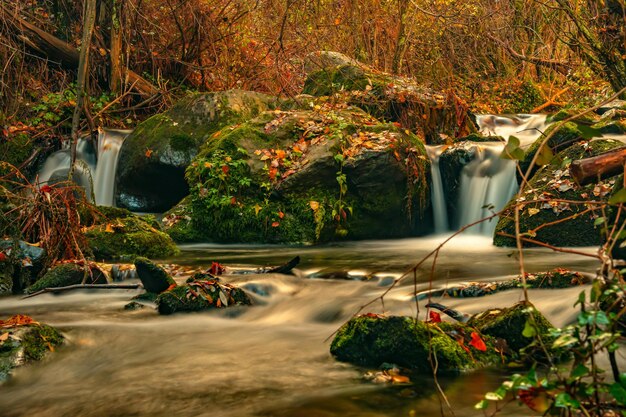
(119, 233)
(305, 176)
(67, 274)
(438, 117)
(152, 160)
(200, 295)
(21, 344)
(153, 277)
(371, 340)
(547, 215)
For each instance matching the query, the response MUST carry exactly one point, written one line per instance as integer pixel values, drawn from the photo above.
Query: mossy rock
(153, 277)
(512, 325)
(566, 136)
(66, 274)
(370, 340)
(587, 119)
(152, 160)
(610, 127)
(439, 117)
(26, 344)
(200, 295)
(541, 220)
(15, 150)
(478, 137)
(276, 179)
(119, 233)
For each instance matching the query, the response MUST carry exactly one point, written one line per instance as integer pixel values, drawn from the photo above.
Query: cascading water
(487, 182)
(94, 171)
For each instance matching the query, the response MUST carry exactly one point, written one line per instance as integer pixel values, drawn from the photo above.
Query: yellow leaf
(102, 51)
(314, 205)
(533, 211)
(257, 208)
(109, 228)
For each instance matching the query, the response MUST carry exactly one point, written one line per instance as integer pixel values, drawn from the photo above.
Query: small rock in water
(134, 305)
(153, 277)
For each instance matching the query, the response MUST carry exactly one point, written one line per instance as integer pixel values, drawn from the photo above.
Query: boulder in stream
(152, 160)
(22, 341)
(153, 277)
(199, 295)
(306, 176)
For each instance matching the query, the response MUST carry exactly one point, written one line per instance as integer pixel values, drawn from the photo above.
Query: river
(271, 359)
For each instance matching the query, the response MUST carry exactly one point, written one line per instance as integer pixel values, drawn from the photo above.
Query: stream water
(271, 359)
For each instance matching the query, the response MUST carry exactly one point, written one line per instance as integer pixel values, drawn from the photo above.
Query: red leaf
(275, 224)
(434, 317)
(225, 169)
(281, 215)
(45, 189)
(477, 342)
(3, 257)
(216, 269)
(233, 201)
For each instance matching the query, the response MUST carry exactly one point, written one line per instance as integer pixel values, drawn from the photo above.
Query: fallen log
(605, 165)
(61, 52)
(56, 290)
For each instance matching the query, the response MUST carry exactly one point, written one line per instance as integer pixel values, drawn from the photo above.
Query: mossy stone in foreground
(201, 295)
(64, 275)
(26, 344)
(153, 277)
(370, 340)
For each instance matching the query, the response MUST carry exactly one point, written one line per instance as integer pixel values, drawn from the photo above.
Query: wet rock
(117, 233)
(370, 340)
(451, 163)
(152, 160)
(67, 274)
(514, 325)
(306, 176)
(441, 117)
(20, 264)
(153, 277)
(23, 344)
(547, 188)
(134, 305)
(201, 295)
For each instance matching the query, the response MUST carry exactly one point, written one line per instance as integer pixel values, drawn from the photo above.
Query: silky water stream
(271, 359)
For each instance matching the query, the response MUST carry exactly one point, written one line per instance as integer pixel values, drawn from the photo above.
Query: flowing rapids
(271, 359)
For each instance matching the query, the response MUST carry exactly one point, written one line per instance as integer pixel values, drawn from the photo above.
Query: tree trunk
(43, 43)
(89, 20)
(115, 52)
(598, 167)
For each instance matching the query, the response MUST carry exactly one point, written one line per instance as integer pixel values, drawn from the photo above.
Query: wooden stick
(55, 290)
(604, 165)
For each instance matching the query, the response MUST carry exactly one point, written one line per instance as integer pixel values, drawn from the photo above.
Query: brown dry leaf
(400, 379)
(17, 320)
(4, 336)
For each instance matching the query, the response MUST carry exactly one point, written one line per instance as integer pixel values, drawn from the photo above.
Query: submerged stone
(201, 295)
(67, 274)
(24, 344)
(153, 277)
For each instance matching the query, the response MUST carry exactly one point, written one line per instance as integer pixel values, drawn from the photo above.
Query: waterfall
(440, 210)
(94, 170)
(487, 182)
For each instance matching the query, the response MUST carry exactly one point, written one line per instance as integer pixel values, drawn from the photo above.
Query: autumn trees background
(500, 56)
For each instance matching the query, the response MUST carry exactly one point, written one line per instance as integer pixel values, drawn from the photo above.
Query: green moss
(371, 340)
(551, 183)
(26, 344)
(477, 137)
(201, 295)
(523, 98)
(610, 127)
(509, 324)
(40, 340)
(128, 236)
(64, 275)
